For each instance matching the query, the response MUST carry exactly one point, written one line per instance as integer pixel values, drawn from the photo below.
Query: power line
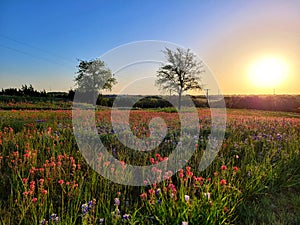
(26, 53)
(33, 47)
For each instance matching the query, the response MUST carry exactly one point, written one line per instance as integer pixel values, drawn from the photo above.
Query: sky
(42, 41)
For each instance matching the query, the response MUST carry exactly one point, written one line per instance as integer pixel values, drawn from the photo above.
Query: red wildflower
(144, 196)
(41, 181)
(61, 182)
(189, 174)
(223, 182)
(223, 167)
(151, 191)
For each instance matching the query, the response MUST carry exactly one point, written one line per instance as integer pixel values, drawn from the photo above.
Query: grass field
(254, 179)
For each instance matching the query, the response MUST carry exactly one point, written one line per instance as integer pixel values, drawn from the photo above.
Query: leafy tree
(181, 73)
(93, 76)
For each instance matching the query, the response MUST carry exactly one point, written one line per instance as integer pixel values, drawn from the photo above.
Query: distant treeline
(29, 91)
(287, 103)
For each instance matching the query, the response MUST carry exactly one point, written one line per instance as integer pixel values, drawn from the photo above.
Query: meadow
(253, 180)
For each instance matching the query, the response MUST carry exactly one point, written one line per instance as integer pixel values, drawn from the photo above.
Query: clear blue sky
(40, 41)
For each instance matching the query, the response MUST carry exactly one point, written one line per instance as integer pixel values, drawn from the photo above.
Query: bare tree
(181, 73)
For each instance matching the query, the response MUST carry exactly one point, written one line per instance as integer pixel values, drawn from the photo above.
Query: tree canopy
(92, 77)
(181, 73)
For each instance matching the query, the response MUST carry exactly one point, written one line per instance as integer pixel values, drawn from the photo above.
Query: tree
(93, 76)
(181, 73)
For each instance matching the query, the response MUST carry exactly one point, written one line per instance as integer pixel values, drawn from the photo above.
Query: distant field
(284, 103)
(253, 180)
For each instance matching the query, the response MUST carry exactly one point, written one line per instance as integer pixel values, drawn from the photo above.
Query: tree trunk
(179, 100)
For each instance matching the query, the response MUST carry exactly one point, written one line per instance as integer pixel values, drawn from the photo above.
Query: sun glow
(268, 72)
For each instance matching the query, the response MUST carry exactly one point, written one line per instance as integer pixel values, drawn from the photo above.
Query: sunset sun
(268, 72)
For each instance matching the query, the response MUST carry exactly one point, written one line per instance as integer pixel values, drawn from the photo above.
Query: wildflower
(172, 187)
(44, 192)
(126, 216)
(189, 174)
(32, 185)
(101, 221)
(235, 168)
(152, 160)
(151, 191)
(158, 191)
(185, 223)
(187, 198)
(118, 193)
(223, 167)
(223, 182)
(84, 209)
(117, 201)
(61, 182)
(54, 217)
(91, 204)
(143, 196)
(34, 200)
(43, 222)
(25, 180)
(41, 181)
(26, 155)
(207, 195)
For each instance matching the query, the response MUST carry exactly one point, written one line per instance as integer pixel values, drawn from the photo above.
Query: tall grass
(45, 179)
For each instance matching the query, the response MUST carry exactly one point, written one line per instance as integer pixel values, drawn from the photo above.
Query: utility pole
(206, 90)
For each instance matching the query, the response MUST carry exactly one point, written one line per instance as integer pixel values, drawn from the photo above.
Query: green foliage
(93, 76)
